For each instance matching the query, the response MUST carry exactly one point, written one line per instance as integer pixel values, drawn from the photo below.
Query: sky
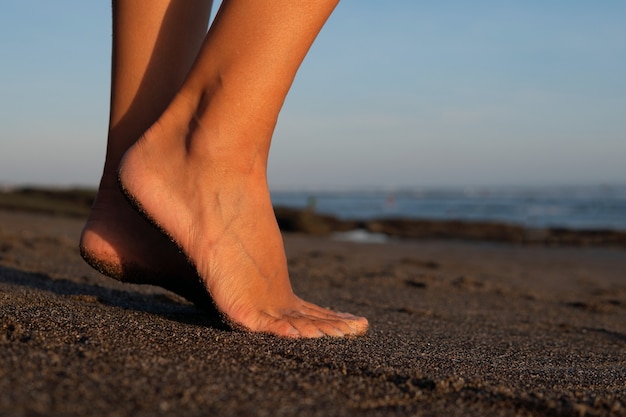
(399, 94)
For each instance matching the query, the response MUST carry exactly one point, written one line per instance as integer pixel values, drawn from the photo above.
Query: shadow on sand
(164, 305)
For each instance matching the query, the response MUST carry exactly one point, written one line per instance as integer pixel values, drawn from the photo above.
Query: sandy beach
(457, 329)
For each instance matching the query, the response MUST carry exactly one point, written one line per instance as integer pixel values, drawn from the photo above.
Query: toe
(305, 326)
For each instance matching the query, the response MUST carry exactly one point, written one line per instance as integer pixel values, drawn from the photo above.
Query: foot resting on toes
(213, 201)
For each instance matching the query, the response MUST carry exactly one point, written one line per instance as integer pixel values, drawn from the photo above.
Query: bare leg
(154, 46)
(199, 173)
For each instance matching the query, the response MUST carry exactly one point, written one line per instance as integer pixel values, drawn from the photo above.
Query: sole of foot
(119, 243)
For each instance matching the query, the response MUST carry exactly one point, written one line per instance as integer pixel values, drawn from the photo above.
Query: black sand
(457, 329)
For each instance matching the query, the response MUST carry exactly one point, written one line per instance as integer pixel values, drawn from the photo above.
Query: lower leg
(199, 173)
(154, 45)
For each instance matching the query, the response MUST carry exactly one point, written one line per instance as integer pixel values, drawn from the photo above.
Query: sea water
(575, 207)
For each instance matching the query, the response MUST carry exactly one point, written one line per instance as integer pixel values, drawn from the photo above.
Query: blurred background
(394, 96)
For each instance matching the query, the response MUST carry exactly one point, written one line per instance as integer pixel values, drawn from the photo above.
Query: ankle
(215, 132)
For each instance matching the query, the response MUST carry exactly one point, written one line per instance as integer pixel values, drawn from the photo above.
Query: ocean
(574, 207)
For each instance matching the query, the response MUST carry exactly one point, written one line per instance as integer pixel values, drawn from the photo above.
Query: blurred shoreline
(307, 219)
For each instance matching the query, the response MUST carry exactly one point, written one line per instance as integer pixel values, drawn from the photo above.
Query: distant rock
(308, 222)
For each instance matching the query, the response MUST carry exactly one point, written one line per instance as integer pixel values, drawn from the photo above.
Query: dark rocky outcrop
(306, 221)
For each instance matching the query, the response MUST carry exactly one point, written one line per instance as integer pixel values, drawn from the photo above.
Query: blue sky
(392, 94)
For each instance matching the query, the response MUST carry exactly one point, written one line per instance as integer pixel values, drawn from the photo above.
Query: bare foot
(213, 201)
(119, 243)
